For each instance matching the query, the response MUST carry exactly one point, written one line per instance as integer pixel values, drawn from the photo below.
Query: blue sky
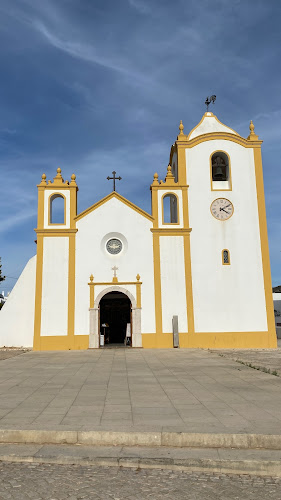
(97, 85)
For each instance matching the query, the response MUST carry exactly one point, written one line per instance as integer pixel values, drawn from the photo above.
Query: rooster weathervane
(209, 100)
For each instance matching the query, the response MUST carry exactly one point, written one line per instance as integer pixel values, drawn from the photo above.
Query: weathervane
(209, 100)
(114, 178)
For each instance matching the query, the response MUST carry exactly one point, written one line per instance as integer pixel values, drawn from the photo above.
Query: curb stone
(169, 439)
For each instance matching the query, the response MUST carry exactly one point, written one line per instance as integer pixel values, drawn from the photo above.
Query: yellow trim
(109, 197)
(71, 291)
(138, 294)
(61, 343)
(92, 285)
(188, 284)
(178, 212)
(264, 248)
(165, 231)
(56, 195)
(221, 198)
(40, 210)
(38, 294)
(209, 114)
(55, 232)
(229, 172)
(210, 340)
(181, 154)
(213, 136)
(157, 283)
(222, 257)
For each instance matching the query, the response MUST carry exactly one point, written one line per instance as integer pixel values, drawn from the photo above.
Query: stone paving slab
(169, 390)
(262, 359)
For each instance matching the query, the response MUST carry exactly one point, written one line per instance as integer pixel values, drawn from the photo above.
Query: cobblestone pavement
(10, 353)
(268, 359)
(59, 482)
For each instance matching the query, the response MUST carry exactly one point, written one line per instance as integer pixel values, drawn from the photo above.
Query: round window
(114, 246)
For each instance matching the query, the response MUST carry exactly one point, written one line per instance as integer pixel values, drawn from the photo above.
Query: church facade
(195, 271)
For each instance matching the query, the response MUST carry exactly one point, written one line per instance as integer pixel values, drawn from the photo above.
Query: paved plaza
(189, 390)
(59, 482)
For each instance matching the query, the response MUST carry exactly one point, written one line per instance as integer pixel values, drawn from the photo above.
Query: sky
(93, 86)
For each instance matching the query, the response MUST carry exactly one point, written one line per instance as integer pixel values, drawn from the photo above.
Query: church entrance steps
(212, 460)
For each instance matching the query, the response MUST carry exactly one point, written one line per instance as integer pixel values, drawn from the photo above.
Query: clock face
(114, 246)
(222, 209)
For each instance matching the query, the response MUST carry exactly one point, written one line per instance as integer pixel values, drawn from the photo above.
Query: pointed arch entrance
(115, 313)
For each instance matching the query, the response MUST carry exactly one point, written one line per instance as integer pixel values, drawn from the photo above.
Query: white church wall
(173, 289)
(17, 315)
(55, 286)
(47, 194)
(114, 219)
(208, 125)
(226, 297)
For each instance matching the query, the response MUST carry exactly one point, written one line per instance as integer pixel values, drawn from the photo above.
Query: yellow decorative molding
(170, 231)
(56, 232)
(114, 194)
(92, 285)
(252, 136)
(71, 293)
(228, 257)
(38, 294)
(213, 136)
(181, 136)
(155, 180)
(264, 248)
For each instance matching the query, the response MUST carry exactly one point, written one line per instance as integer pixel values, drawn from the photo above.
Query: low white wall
(17, 315)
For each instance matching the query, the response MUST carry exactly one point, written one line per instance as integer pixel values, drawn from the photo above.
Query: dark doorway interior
(115, 311)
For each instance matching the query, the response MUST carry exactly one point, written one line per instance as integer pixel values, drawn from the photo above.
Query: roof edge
(108, 197)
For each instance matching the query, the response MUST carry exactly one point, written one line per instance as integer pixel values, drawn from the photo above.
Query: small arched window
(225, 257)
(57, 209)
(220, 171)
(170, 209)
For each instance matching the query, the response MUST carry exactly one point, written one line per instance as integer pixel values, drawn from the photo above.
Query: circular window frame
(117, 240)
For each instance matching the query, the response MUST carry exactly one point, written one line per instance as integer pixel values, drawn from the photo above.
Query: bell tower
(55, 268)
(171, 248)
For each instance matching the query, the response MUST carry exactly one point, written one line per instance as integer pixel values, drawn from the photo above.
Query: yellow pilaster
(38, 294)
(156, 257)
(71, 291)
(272, 340)
(138, 290)
(92, 291)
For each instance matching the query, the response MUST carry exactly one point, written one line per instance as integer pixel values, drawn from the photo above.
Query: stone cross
(114, 269)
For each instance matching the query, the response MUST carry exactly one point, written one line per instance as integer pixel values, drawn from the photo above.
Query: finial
(59, 171)
(91, 278)
(181, 127)
(169, 171)
(138, 277)
(169, 177)
(73, 179)
(253, 136)
(155, 179)
(43, 181)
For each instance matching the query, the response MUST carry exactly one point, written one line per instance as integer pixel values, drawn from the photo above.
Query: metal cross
(114, 178)
(114, 269)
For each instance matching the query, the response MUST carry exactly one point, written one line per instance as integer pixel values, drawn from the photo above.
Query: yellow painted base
(221, 340)
(63, 343)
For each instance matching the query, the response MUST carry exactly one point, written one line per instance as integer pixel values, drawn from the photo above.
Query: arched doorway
(115, 311)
